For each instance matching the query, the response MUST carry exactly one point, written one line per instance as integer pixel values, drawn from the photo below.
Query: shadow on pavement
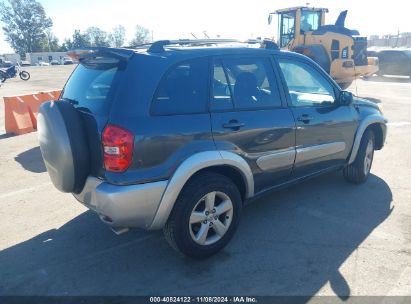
(291, 242)
(31, 160)
(7, 135)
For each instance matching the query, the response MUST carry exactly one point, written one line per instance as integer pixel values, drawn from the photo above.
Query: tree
(141, 36)
(117, 36)
(97, 37)
(52, 42)
(25, 23)
(78, 40)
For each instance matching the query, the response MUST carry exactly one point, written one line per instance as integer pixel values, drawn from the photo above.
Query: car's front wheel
(359, 170)
(205, 215)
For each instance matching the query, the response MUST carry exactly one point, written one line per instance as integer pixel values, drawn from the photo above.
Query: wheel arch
(230, 172)
(375, 122)
(377, 129)
(223, 162)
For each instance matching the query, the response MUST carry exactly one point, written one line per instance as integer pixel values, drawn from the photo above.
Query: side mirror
(346, 98)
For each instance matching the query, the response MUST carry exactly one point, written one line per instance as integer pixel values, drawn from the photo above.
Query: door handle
(305, 118)
(233, 124)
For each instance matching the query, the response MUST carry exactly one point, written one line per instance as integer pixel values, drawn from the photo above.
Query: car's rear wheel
(3, 77)
(205, 215)
(24, 75)
(359, 170)
(345, 85)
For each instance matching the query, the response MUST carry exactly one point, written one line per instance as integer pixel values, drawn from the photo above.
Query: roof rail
(158, 46)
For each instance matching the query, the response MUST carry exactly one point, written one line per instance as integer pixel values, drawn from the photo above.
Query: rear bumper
(122, 206)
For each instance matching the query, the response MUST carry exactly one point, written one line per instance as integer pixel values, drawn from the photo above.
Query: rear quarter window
(183, 89)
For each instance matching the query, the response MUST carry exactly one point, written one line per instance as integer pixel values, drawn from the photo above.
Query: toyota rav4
(178, 135)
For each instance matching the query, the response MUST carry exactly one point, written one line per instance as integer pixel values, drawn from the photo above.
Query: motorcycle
(11, 72)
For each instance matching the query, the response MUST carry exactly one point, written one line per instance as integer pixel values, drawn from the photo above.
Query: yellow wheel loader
(341, 52)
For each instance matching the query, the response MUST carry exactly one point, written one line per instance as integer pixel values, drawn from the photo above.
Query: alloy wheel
(211, 218)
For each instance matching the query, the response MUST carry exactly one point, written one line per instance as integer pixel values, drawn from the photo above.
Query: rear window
(90, 84)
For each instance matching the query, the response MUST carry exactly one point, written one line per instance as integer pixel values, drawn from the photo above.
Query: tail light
(117, 148)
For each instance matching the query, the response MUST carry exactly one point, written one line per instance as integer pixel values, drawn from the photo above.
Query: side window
(307, 87)
(221, 90)
(248, 82)
(183, 89)
(310, 21)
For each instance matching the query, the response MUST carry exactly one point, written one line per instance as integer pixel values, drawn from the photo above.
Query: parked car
(25, 63)
(43, 63)
(55, 62)
(67, 61)
(393, 61)
(7, 64)
(182, 148)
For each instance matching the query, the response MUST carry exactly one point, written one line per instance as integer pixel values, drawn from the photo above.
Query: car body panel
(266, 136)
(325, 140)
(393, 61)
(271, 149)
(188, 168)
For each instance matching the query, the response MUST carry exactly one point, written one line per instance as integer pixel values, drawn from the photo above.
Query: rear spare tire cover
(63, 145)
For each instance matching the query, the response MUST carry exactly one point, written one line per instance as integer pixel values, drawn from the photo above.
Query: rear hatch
(92, 90)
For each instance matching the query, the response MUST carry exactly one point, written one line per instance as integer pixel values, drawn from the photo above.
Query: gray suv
(178, 135)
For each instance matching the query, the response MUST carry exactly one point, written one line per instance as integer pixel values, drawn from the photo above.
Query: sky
(174, 19)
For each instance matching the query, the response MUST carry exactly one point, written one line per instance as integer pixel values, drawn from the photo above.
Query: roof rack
(158, 46)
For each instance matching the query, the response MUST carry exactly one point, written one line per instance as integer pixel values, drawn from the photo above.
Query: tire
(359, 170)
(345, 85)
(24, 75)
(3, 77)
(219, 191)
(63, 145)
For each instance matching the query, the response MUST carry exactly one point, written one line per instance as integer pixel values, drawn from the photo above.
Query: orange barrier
(21, 111)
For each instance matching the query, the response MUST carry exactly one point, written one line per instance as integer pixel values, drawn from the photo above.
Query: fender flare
(364, 124)
(319, 55)
(188, 168)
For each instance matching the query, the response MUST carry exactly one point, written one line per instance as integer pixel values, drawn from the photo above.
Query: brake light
(117, 148)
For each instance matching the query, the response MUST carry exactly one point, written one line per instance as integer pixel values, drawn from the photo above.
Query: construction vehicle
(341, 52)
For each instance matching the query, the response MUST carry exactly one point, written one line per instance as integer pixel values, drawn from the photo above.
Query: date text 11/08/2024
(203, 300)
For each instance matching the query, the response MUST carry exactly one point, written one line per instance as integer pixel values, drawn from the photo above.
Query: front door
(325, 129)
(249, 118)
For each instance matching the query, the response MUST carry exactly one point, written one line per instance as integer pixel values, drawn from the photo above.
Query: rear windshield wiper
(72, 101)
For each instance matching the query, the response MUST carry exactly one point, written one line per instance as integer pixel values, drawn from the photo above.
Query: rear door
(325, 129)
(249, 118)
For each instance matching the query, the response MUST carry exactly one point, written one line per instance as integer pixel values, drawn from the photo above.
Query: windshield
(310, 21)
(89, 86)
